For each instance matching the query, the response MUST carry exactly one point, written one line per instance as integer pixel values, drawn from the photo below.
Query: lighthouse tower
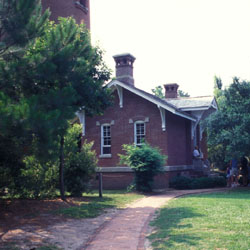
(79, 9)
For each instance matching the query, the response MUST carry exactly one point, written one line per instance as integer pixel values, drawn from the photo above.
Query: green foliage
(229, 128)
(146, 162)
(208, 182)
(48, 72)
(38, 180)
(21, 22)
(80, 165)
(48, 247)
(158, 91)
(182, 93)
(182, 182)
(217, 156)
(9, 153)
(217, 83)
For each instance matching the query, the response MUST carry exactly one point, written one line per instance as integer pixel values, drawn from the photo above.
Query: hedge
(182, 182)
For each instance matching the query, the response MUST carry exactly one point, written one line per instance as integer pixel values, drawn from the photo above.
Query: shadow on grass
(169, 225)
(232, 193)
(87, 209)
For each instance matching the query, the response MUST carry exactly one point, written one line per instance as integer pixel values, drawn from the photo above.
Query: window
(139, 131)
(83, 3)
(106, 139)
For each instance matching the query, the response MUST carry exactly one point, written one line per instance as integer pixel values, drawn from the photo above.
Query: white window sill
(105, 156)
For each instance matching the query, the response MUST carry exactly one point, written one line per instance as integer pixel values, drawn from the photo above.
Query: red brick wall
(115, 181)
(179, 140)
(67, 8)
(174, 142)
(123, 180)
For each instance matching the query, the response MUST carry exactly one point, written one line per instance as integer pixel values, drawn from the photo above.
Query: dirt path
(116, 229)
(64, 233)
(128, 230)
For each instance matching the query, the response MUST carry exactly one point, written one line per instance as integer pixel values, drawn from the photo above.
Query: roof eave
(113, 83)
(195, 108)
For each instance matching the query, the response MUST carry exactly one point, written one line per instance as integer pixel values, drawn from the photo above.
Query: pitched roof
(193, 103)
(177, 106)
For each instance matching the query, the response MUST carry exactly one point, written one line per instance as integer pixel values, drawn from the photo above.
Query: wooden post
(100, 184)
(61, 169)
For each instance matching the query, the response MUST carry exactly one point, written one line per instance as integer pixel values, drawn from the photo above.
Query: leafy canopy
(146, 162)
(229, 128)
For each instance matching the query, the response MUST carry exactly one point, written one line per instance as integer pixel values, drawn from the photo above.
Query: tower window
(82, 4)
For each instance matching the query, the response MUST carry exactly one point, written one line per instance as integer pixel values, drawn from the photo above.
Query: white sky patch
(176, 41)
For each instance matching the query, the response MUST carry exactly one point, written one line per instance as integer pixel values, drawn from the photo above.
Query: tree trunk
(61, 170)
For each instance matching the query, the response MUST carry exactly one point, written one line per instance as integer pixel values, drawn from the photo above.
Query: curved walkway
(127, 230)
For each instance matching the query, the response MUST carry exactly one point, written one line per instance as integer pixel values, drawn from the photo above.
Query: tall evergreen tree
(21, 21)
(47, 83)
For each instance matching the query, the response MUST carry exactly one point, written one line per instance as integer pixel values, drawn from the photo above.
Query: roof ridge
(188, 97)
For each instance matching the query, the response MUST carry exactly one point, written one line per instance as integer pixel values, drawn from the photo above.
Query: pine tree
(21, 22)
(56, 74)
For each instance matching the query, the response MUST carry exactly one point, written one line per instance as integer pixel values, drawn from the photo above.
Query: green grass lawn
(94, 205)
(205, 221)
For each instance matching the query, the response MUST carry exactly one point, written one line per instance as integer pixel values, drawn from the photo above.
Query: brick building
(79, 9)
(172, 124)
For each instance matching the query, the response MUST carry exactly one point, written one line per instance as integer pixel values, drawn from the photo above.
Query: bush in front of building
(80, 163)
(146, 162)
(182, 182)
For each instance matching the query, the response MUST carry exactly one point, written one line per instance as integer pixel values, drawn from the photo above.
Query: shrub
(80, 163)
(203, 182)
(219, 181)
(146, 162)
(182, 182)
(38, 180)
(80, 169)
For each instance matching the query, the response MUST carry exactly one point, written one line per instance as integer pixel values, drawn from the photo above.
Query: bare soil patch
(31, 223)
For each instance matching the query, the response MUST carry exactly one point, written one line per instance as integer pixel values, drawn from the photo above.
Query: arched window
(139, 132)
(106, 139)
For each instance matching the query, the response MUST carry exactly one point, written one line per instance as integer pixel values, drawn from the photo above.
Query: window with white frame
(106, 139)
(139, 132)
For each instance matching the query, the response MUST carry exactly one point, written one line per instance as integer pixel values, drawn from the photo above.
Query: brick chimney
(124, 68)
(171, 90)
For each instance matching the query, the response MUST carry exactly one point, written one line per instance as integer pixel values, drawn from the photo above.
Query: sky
(186, 42)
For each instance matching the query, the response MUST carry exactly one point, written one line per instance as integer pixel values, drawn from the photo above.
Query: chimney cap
(171, 85)
(124, 68)
(124, 55)
(171, 90)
